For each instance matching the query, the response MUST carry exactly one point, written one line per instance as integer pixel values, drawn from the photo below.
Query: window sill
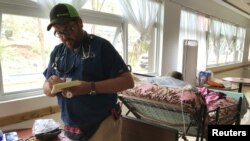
(29, 102)
(12, 97)
(226, 68)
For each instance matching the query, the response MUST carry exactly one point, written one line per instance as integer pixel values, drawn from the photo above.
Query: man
(88, 110)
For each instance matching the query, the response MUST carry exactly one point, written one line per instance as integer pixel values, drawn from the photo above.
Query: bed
(180, 106)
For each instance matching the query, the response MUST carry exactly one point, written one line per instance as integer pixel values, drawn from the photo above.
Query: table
(239, 80)
(232, 88)
(26, 133)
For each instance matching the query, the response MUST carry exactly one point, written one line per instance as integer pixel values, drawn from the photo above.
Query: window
(111, 33)
(24, 52)
(107, 6)
(25, 44)
(141, 54)
(143, 34)
(223, 43)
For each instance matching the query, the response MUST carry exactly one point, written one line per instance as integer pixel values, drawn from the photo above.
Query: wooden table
(232, 88)
(238, 80)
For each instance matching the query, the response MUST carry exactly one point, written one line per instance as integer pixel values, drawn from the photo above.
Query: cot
(188, 116)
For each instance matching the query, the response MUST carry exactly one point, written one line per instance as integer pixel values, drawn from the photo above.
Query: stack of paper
(58, 87)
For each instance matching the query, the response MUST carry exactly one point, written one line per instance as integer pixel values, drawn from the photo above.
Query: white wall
(29, 123)
(246, 48)
(28, 104)
(241, 72)
(233, 73)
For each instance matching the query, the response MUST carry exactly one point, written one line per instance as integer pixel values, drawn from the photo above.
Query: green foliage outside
(21, 47)
(139, 48)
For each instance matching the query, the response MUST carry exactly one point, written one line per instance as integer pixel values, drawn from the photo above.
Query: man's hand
(83, 87)
(48, 84)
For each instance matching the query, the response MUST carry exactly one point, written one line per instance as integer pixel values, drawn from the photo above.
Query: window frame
(218, 62)
(32, 9)
(233, 45)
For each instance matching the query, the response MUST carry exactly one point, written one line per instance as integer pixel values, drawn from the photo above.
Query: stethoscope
(63, 53)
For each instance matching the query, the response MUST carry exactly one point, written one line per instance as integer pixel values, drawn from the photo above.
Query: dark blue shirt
(85, 111)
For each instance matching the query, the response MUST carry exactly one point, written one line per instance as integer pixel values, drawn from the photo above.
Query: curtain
(215, 36)
(240, 38)
(141, 14)
(223, 44)
(228, 41)
(230, 34)
(193, 27)
(47, 5)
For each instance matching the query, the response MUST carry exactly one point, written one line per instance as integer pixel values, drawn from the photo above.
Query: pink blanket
(216, 99)
(176, 96)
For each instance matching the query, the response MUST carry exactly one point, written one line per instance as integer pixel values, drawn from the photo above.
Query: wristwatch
(92, 88)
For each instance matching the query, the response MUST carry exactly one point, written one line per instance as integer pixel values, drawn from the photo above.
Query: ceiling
(242, 6)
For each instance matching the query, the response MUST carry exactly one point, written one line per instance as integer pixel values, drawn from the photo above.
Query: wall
(247, 45)
(9, 108)
(246, 72)
(29, 123)
(233, 73)
(238, 72)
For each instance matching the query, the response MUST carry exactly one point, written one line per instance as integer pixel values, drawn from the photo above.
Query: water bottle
(1, 135)
(202, 78)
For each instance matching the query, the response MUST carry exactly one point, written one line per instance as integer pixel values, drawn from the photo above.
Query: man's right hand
(48, 84)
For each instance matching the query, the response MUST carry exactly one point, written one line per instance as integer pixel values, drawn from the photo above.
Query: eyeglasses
(69, 28)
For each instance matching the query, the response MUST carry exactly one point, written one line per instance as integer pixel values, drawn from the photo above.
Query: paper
(58, 87)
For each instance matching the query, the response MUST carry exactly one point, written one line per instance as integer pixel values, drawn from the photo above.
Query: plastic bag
(44, 126)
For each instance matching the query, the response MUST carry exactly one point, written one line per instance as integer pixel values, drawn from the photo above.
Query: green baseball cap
(62, 13)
